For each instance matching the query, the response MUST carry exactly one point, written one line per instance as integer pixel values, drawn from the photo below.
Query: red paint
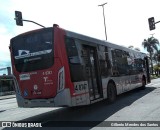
(47, 85)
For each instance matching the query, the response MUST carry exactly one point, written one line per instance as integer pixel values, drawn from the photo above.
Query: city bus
(56, 67)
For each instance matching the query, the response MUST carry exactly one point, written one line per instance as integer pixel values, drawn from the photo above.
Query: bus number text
(80, 87)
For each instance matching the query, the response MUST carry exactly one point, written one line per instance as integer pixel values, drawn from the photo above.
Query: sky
(126, 20)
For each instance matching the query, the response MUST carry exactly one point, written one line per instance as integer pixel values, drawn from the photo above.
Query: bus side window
(104, 60)
(72, 51)
(115, 71)
(120, 62)
(139, 65)
(126, 63)
(76, 68)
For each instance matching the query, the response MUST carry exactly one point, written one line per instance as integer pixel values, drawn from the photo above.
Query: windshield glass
(33, 50)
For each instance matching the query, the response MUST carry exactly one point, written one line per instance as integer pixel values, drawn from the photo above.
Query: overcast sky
(126, 20)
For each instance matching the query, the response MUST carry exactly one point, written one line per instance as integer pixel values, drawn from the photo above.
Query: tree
(151, 45)
(157, 69)
(157, 56)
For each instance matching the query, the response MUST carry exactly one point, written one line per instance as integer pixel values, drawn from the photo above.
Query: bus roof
(101, 42)
(90, 39)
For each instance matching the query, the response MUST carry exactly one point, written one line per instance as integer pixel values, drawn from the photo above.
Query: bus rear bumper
(63, 98)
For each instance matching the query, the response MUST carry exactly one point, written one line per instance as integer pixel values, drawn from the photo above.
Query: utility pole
(102, 5)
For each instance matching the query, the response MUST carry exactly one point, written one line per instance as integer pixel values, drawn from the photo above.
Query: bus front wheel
(111, 92)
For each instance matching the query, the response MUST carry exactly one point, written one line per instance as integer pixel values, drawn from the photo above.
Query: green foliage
(155, 76)
(156, 67)
(151, 45)
(157, 56)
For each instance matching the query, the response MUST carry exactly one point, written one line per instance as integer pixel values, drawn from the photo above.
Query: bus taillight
(61, 80)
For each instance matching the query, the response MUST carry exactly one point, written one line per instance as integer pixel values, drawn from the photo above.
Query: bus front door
(92, 72)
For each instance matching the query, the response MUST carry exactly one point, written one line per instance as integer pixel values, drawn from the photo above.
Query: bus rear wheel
(111, 92)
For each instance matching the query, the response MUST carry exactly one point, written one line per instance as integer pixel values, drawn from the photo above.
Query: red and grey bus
(56, 67)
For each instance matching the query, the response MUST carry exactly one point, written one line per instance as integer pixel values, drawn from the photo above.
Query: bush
(155, 76)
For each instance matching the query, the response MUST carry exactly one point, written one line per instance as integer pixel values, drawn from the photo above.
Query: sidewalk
(7, 97)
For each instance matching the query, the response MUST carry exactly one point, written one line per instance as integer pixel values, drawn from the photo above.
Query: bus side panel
(60, 51)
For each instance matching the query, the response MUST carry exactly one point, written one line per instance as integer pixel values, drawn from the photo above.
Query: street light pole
(104, 19)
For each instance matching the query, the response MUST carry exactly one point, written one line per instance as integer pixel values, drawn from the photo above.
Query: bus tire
(143, 83)
(111, 92)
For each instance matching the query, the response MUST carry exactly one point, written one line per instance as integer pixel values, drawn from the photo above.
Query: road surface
(136, 105)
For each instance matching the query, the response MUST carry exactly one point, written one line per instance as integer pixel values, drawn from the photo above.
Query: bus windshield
(33, 51)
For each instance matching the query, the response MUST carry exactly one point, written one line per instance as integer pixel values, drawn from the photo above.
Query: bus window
(138, 65)
(32, 51)
(115, 71)
(104, 60)
(72, 51)
(120, 62)
(77, 70)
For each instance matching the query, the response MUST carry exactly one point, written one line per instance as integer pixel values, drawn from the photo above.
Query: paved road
(137, 105)
(9, 111)
(8, 104)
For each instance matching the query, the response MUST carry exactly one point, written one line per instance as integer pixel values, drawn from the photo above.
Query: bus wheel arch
(111, 91)
(143, 82)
